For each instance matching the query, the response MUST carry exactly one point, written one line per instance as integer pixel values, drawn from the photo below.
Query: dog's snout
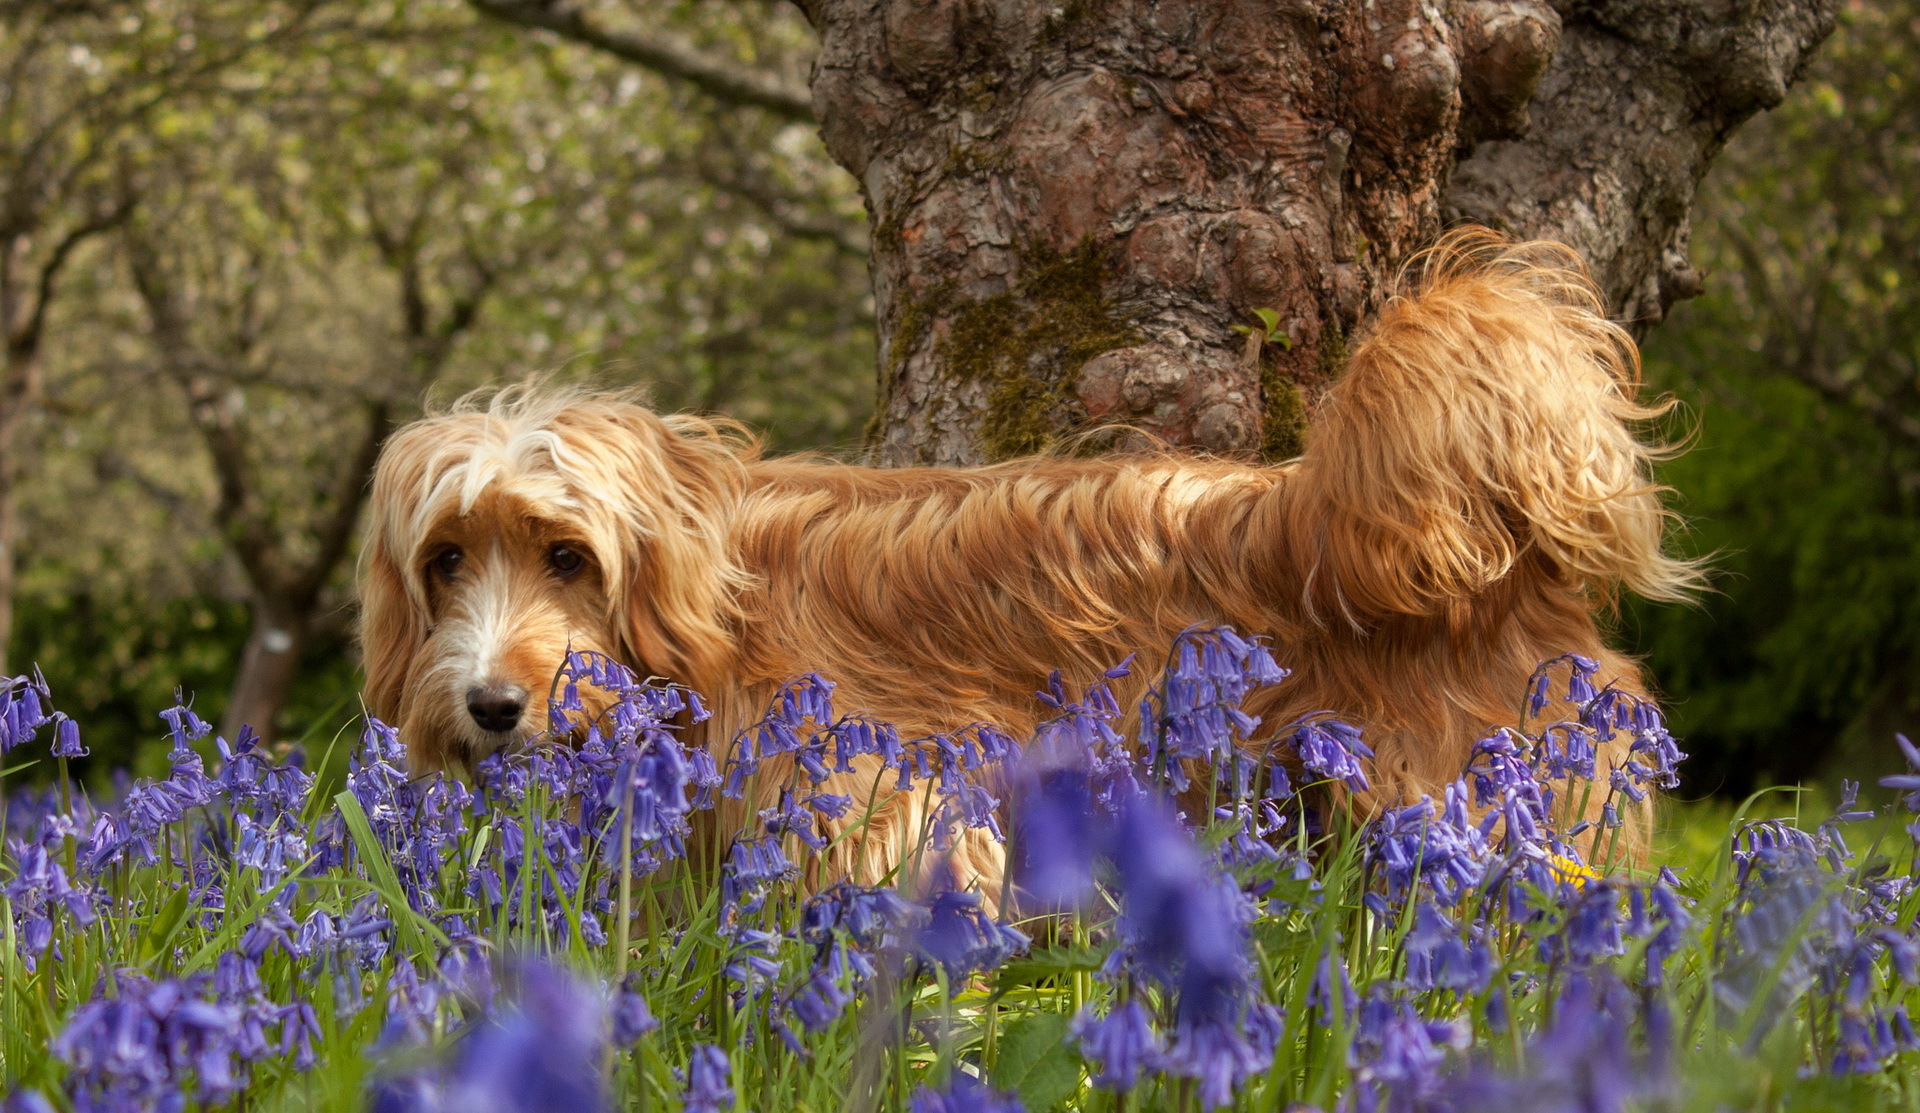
(497, 708)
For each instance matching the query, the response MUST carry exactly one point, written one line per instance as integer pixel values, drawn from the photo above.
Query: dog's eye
(448, 562)
(563, 560)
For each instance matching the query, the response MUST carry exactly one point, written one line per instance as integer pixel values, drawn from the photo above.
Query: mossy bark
(1074, 205)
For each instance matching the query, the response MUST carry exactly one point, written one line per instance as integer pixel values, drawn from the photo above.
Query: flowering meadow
(1193, 922)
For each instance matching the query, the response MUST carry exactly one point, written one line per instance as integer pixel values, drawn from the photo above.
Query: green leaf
(414, 929)
(1036, 1062)
(1050, 962)
(165, 922)
(1268, 319)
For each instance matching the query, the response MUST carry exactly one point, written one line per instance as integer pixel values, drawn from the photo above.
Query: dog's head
(502, 536)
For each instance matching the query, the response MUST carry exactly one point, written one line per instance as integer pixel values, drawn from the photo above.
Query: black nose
(497, 708)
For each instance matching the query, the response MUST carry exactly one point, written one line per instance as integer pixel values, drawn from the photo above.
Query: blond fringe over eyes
(1473, 491)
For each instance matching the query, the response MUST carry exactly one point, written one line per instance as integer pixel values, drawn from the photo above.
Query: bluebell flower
(1439, 957)
(66, 737)
(540, 1055)
(963, 939)
(1058, 836)
(26, 1101)
(1440, 847)
(631, 1017)
(709, 1080)
(1120, 1045)
(963, 1094)
(1583, 1062)
(752, 865)
(1194, 712)
(139, 1046)
(1330, 989)
(1867, 1038)
(1222, 1051)
(183, 726)
(1908, 782)
(1330, 750)
(1397, 1050)
(1592, 930)
(827, 992)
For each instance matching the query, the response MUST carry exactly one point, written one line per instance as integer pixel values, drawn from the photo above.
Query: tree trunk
(267, 668)
(12, 428)
(19, 390)
(1073, 206)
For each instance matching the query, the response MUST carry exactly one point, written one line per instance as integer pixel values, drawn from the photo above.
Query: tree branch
(253, 543)
(349, 494)
(25, 343)
(664, 53)
(789, 213)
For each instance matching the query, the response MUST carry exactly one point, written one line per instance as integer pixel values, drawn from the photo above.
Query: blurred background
(244, 238)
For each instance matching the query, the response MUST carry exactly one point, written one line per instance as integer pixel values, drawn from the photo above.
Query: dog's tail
(1490, 415)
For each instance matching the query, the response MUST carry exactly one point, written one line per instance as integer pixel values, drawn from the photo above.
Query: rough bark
(1073, 206)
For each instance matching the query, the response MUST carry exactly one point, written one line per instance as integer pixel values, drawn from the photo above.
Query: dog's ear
(1490, 415)
(393, 621)
(675, 589)
(392, 630)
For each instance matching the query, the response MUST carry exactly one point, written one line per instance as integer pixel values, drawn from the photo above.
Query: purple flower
(964, 1094)
(963, 939)
(631, 1017)
(1398, 1051)
(708, 1080)
(66, 737)
(829, 989)
(1120, 1044)
(1331, 751)
(1438, 846)
(1222, 1051)
(1179, 920)
(1439, 958)
(26, 1101)
(1198, 716)
(542, 1054)
(1582, 1063)
(1058, 836)
(1909, 782)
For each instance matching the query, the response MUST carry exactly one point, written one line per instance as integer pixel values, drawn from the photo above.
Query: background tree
(404, 201)
(76, 82)
(1072, 207)
(1804, 358)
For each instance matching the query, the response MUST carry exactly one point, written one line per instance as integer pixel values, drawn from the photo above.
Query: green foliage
(348, 208)
(1802, 366)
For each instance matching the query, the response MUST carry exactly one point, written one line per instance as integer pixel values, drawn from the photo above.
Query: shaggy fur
(1472, 493)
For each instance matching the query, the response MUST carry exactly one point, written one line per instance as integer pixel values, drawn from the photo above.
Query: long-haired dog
(1472, 495)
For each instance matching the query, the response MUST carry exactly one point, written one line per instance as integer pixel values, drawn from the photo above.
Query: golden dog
(1471, 495)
